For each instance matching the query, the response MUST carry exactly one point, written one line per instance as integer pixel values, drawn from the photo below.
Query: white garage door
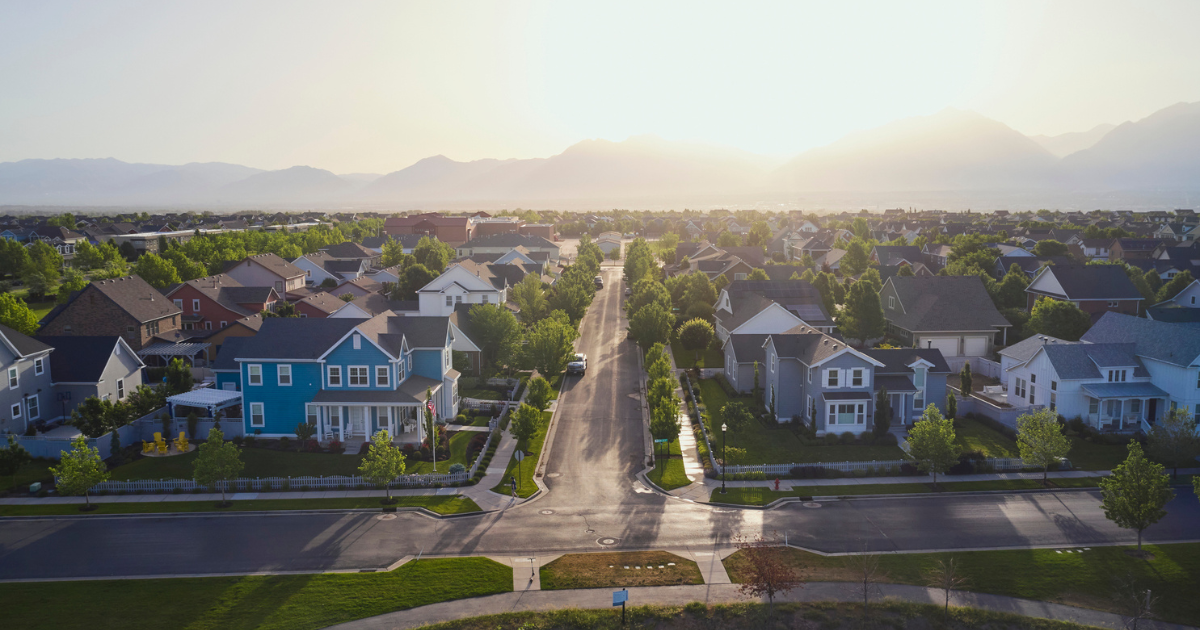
(975, 346)
(948, 346)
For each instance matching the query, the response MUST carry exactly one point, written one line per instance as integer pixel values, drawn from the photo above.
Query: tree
(1134, 495)
(767, 571)
(413, 279)
(931, 442)
(538, 393)
(650, 325)
(433, 254)
(42, 271)
(12, 459)
(156, 271)
(571, 298)
(760, 235)
(883, 413)
(498, 333)
(13, 257)
(1041, 440)
(660, 368)
(72, 280)
(128, 252)
(15, 314)
(758, 275)
(217, 462)
(550, 346)
(1050, 247)
(664, 423)
(94, 417)
(806, 260)
(862, 317)
(1172, 288)
(696, 335)
(946, 575)
(525, 423)
(1058, 319)
(530, 298)
(647, 291)
(187, 268)
(392, 253)
(736, 416)
(1173, 440)
(867, 573)
(383, 462)
(905, 271)
(114, 446)
(857, 259)
(179, 377)
(304, 433)
(728, 239)
(79, 470)
(951, 406)
(1010, 291)
(966, 380)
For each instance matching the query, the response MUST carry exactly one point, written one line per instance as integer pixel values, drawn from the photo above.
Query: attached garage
(975, 346)
(948, 345)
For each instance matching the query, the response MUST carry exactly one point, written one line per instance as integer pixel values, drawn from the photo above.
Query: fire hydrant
(777, 484)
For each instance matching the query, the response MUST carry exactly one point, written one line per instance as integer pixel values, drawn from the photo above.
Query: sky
(375, 86)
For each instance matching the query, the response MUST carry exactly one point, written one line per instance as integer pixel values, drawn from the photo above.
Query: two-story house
(347, 377)
(26, 389)
(85, 367)
(463, 282)
(214, 302)
(267, 270)
(353, 252)
(127, 307)
(1095, 289)
(769, 306)
(953, 314)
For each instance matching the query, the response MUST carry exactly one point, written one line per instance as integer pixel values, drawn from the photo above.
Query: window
(858, 377)
(449, 300)
(400, 370)
(1135, 406)
(255, 372)
(358, 342)
(1093, 406)
(1032, 390)
(458, 299)
(152, 328)
(310, 412)
(1112, 304)
(486, 298)
(256, 415)
(335, 417)
(207, 325)
(891, 302)
(1053, 386)
(195, 305)
(409, 361)
(1033, 378)
(774, 363)
(279, 285)
(847, 413)
(919, 377)
(178, 304)
(13, 378)
(31, 404)
(16, 411)
(284, 372)
(381, 376)
(446, 359)
(1116, 376)
(335, 375)
(120, 389)
(1019, 387)
(358, 376)
(810, 371)
(1053, 401)
(39, 366)
(739, 276)
(224, 324)
(832, 378)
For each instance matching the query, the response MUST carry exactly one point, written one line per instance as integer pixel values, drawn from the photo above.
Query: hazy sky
(373, 87)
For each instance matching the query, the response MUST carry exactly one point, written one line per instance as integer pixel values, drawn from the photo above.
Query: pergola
(171, 350)
(208, 398)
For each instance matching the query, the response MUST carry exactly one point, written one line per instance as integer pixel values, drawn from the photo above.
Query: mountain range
(952, 151)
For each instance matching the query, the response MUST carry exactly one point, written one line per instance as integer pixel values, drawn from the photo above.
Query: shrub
(313, 446)
(237, 439)
(831, 473)
(860, 473)
(335, 446)
(831, 439)
(461, 418)
(249, 440)
(457, 468)
(887, 439)
(284, 442)
(964, 466)
(847, 438)
(867, 439)
(908, 468)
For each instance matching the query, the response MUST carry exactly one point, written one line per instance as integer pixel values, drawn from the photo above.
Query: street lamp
(724, 463)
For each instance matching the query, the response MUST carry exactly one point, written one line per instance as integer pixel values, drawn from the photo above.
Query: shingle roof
(942, 303)
(135, 296)
(348, 250)
(1171, 343)
(748, 347)
(1025, 349)
(24, 344)
(79, 359)
(230, 350)
(897, 360)
(893, 254)
(509, 240)
(1084, 360)
(296, 337)
(324, 301)
(1094, 282)
(1174, 315)
(343, 266)
(277, 265)
(797, 296)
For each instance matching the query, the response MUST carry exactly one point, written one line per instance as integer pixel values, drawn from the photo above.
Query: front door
(358, 424)
(1151, 410)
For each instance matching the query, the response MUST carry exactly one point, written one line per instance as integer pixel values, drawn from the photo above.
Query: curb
(899, 495)
(416, 510)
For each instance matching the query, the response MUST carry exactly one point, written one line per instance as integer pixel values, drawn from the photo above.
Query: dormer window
(357, 342)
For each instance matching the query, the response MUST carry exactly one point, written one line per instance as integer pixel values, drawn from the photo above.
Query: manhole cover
(590, 531)
(386, 517)
(607, 542)
(811, 504)
(547, 512)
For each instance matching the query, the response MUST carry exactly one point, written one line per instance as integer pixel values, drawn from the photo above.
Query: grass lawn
(439, 504)
(763, 496)
(1082, 579)
(972, 435)
(36, 470)
(261, 462)
(829, 615)
(289, 602)
(781, 446)
(710, 358)
(668, 468)
(40, 309)
(483, 394)
(629, 568)
(525, 485)
(1091, 456)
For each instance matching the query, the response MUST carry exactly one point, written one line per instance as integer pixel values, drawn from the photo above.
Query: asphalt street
(594, 503)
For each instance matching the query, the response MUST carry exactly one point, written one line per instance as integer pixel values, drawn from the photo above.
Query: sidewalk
(525, 600)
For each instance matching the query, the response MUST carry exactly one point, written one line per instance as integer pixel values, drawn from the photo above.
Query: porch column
(320, 423)
(342, 425)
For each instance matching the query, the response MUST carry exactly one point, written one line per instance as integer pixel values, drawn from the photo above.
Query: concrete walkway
(530, 600)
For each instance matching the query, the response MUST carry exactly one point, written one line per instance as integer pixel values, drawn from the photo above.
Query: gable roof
(942, 303)
(277, 265)
(132, 294)
(897, 360)
(893, 254)
(230, 350)
(509, 241)
(298, 338)
(1092, 282)
(22, 343)
(1174, 315)
(81, 359)
(1170, 343)
(1025, 349)
(347, 249)
(1085, 360)
(324, 301)
(799, 297)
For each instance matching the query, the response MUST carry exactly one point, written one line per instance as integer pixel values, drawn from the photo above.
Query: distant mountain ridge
(952, 150)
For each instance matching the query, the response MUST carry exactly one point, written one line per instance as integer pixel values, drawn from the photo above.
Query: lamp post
(724, 463)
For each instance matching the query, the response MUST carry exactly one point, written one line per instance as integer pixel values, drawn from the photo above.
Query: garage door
(948, 346)
(975, 346)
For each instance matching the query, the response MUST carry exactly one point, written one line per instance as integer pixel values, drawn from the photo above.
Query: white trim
(279, 368)
(350, 375)
(852, 351)
(250, 374)
(329, 369)
(16, 410)
(262, 414)
(387, 376)
(34, 412)
(39, 366)
(353, 331)
(14, 377)
(120, 389)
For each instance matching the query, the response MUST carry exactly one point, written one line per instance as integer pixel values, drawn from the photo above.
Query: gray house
(82, 367)
(27, 388)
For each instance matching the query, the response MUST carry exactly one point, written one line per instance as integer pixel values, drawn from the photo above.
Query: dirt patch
(630, 568)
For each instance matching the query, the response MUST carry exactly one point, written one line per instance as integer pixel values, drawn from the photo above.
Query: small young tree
(1173, 440)
(1134, 495)
(883, 414)
(767, 571)
(951, 406)
(525, 423)
(114, 446)
(80, 470)
(965, 377)
(867, 574)
(13, 458)
(664, 424)
(736, 416)
(218, 462)
(946, 575)
(931, 442)
(539, 393)
(179, 377)
(193, 421)
(1134, 598)
(757, 390)
(304, 433)
(1041, 440)
(696, 335)
(383, 462)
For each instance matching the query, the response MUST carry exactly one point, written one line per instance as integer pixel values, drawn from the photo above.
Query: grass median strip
(619, 569)
(456, 504)
(763, 496)
(1073, 576)
(294, 602)
(524, 471)
(668, 472)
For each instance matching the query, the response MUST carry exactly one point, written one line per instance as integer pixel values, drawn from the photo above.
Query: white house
(463, 282)
(1189, 297)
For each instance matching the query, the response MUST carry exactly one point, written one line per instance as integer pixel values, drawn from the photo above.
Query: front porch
(1124, 406)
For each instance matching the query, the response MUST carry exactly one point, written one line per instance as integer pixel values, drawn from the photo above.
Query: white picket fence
(998, 464)
(277, 483)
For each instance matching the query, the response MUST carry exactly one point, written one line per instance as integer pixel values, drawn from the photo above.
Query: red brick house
(1095, 289)
(319, 305)
(127, 307)
(452, 230)
(267, 270)
(214, 302)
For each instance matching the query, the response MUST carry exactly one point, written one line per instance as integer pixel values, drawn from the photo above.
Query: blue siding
(428, 363)
(283, 407)
(229, 377)
(345, 355)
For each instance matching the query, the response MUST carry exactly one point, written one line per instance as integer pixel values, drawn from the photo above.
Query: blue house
(347, 377)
